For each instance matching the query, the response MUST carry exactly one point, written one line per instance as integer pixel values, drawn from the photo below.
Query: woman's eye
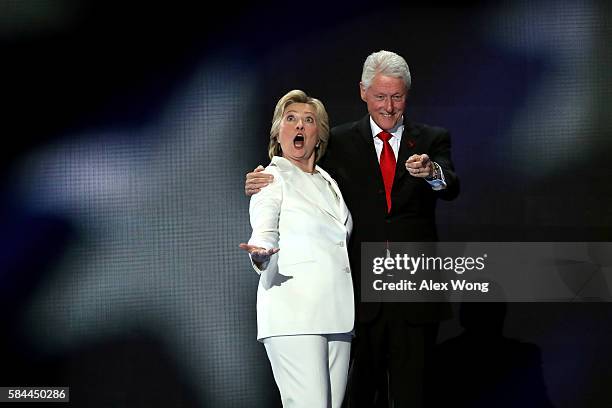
(309, 120)
(290, 118)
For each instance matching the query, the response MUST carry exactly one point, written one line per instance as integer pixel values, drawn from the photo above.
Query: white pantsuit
(307, 362)
(306, 288)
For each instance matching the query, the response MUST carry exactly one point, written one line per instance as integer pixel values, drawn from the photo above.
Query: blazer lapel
(368, 151)
(407, 149)
(342, 211)
(303, 186)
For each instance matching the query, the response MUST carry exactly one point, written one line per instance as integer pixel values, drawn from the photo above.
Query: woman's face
(299, 134)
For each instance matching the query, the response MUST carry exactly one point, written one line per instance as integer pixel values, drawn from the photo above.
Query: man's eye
(398, 98)
(379, 97)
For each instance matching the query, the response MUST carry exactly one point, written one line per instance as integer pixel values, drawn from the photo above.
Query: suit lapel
(341, 212)
(368, 151)
(407, 149)
(299, 180)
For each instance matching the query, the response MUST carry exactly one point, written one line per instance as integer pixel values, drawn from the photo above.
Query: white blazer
(305, 288)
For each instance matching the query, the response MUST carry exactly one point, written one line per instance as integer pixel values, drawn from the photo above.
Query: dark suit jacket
(351, 159)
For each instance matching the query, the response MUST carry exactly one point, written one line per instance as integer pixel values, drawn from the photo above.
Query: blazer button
(341, 244)
(347, 270)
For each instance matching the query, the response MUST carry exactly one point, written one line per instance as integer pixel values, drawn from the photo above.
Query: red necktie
(387, 165)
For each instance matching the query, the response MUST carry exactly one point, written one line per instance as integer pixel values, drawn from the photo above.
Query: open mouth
(298, 141)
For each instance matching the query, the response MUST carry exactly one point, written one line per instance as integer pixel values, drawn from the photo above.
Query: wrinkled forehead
(300, 108)
(388, 84)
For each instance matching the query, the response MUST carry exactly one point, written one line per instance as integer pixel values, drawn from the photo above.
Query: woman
(301, 227)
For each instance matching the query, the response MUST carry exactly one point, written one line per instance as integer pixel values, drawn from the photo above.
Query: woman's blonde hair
(322, 120)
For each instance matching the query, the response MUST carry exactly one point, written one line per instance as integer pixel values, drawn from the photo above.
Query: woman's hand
(259, 255)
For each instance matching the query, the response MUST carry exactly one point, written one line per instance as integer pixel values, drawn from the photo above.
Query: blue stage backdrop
(132, 131)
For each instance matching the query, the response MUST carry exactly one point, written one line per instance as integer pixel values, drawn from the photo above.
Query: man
(391, 172)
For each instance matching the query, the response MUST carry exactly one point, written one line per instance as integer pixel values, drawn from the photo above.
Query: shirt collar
(396, 131)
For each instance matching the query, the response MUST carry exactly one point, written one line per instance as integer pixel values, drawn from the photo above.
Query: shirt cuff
(438, 183)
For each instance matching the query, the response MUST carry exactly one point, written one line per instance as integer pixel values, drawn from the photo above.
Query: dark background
(128, 129)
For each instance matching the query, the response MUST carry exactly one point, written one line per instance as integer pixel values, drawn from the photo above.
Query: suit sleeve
(440, 153)
(264, 213)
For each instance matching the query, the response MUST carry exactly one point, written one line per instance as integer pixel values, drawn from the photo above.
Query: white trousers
(310, 370)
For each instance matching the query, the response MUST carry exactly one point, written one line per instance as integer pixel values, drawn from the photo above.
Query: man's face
(386, 100)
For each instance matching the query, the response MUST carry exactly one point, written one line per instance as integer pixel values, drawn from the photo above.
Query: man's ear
(362, 91)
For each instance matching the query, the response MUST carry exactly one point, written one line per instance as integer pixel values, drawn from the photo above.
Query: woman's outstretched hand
(259, 254)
